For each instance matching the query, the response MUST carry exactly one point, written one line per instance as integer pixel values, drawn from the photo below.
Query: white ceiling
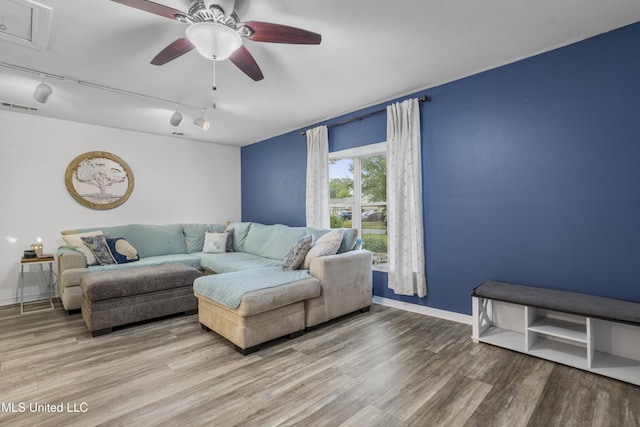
(371, 51)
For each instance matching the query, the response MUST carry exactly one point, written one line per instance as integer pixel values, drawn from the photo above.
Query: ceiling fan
(217, 33)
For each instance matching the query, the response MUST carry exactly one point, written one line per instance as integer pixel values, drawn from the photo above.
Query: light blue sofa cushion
(240, 231)
(192, 260)
(228, 289)
(149, 240)
(194, 235)
(349, 237)
(272, 241)
(236, 261)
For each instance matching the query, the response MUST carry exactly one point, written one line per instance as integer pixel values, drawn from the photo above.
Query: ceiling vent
(18, 107)
(25, 22)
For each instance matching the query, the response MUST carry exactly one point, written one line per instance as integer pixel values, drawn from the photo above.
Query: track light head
(201, 123)
(176, 118)
(42, 92)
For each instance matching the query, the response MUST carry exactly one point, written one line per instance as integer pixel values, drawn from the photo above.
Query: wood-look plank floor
(383, 368)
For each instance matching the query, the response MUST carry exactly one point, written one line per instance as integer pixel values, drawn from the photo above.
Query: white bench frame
(601, 346)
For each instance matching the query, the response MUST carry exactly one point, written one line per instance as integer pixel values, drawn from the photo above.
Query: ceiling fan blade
(243, 59)
(152, 7)
(171, 52)
(276, 33)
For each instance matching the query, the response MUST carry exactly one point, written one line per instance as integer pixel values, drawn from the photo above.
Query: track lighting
(42, 92)
(201, 123)
(176, 118)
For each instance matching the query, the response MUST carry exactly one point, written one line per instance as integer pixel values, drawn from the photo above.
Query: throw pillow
(229, 247)
(75, 240)
(100, 250)
(121, 250)
(325, 245)
(298, 252)
(215, 243)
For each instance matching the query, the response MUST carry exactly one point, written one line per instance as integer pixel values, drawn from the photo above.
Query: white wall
(176, 181)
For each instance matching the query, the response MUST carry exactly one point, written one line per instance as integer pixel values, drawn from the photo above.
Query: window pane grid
(358, 199)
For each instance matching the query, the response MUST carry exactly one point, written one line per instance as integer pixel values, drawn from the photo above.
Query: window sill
(384, 266)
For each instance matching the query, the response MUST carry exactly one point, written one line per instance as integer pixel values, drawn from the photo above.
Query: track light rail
(173, 104)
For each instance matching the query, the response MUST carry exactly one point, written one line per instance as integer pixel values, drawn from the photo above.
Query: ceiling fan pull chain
(214, 73)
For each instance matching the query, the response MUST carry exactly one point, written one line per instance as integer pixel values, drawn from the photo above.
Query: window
(358, 196)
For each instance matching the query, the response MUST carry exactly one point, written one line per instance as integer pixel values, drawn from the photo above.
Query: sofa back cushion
(271, 241)
(240, 231)
(149, 240)
(349, 237)
(194, 235)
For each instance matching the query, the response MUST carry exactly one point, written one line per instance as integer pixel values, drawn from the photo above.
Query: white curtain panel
(404, 218)
(318, 177)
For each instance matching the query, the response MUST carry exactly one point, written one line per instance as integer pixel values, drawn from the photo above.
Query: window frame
(356, 154)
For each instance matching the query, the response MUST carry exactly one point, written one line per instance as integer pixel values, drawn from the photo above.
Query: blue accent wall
(273, 180)
(531, 174)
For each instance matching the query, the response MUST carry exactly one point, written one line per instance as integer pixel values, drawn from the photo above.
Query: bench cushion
(136, 281)
(568, 302)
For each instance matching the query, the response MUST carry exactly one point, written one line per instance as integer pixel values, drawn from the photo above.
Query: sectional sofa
(155, 245)
(252, 300)
(276, 302)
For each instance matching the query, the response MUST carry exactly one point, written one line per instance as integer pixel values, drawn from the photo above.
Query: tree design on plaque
(99, 180)
(102, 174)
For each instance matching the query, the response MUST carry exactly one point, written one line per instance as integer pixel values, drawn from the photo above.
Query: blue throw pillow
(121, 250)
(229, 247)
(98, 246)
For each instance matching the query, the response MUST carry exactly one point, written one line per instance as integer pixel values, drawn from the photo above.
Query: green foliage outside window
(336, 222)
(375, 242)
(340, 188)
(374, 178)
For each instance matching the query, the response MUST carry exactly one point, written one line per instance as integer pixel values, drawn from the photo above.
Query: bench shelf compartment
(604, 347)
(558, 328)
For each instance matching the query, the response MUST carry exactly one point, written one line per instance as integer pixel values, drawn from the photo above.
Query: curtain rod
(422, 99)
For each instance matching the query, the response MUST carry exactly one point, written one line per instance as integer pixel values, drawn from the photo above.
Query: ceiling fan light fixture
(226, 5)
(201, 123)
(213, 40)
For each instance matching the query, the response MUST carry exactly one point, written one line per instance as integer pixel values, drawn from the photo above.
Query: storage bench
(114, 298)
(597, 334)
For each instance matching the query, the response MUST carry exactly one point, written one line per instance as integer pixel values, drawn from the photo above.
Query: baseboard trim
(30, 297)
(427, 311)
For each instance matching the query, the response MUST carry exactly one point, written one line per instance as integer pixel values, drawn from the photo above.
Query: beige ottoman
(263, 315)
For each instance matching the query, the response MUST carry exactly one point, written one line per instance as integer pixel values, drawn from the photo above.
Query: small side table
(38, 261)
